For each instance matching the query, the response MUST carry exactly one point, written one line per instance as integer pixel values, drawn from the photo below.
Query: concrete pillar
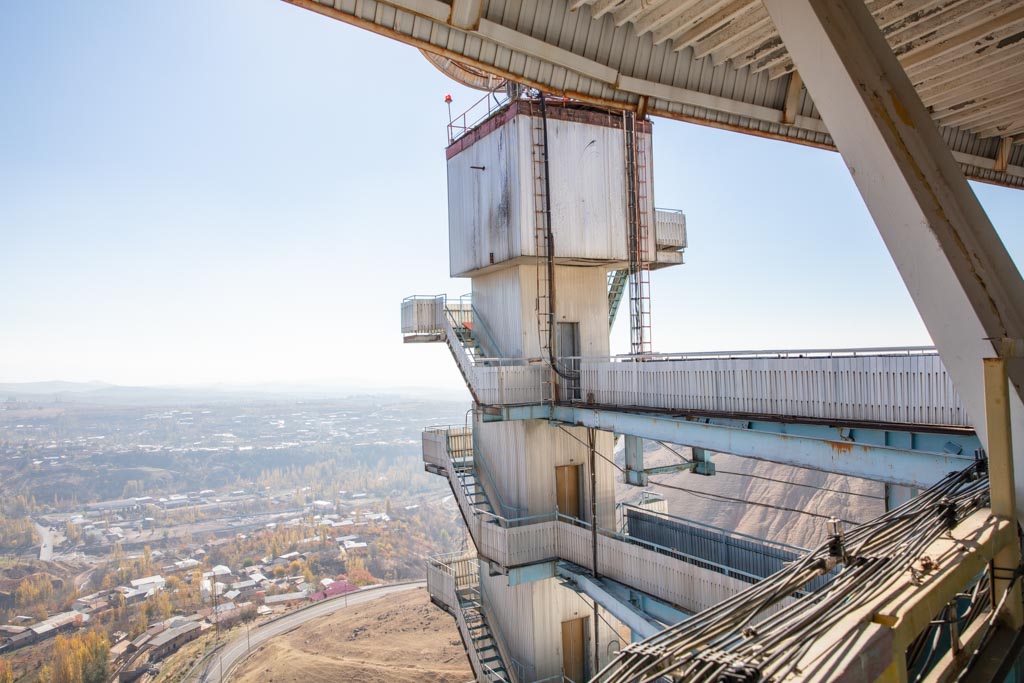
(965, 285)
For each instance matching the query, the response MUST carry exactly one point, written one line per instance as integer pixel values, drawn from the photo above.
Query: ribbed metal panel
(741, 61)
(493, 202)
(911, 389)
(750, 556)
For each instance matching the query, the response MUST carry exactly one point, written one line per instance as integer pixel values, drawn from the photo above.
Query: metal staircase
(617, 280)
(464, 335)
(465, 474)
(481, 637)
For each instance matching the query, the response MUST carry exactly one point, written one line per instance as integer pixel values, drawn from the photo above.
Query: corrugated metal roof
(721, 62)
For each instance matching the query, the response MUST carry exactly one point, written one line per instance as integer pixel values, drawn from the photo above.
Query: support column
(965, 285)
(635, 474)
(702, 461)
(1002, 493)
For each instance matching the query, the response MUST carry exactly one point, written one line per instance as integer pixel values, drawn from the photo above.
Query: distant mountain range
(112, 394)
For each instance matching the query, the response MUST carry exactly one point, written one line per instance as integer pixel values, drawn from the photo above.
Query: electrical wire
(704, 494)
(744, 501)
(741, 639)
(718, 470)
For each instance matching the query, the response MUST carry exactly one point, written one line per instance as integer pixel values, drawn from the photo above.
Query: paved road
(46, 547)
(236, 650)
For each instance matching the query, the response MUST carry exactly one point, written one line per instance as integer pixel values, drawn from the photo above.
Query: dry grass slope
(400, 638)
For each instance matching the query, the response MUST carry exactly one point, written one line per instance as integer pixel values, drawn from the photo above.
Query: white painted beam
(540, 49)
(671, 93)
(966, 287)
(466, 14)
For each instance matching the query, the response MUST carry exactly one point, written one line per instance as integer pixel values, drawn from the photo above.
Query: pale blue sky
(242, 191)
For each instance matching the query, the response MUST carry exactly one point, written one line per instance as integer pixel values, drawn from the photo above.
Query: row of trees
(17, 533)
(81, 658)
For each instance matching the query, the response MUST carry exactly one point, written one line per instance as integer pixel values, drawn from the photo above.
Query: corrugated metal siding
(883, 389)
(502, 447)
(747, 555)
(513, 611)
(588, 191)
(670, 228)
(721, 71)
(506, 299)
(421, 315)
(492, 202)
(498, 298)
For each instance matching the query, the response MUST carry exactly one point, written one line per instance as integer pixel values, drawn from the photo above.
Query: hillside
(401, 638)
(849, 498)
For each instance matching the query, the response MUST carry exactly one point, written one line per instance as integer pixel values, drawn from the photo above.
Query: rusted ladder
(638, 207)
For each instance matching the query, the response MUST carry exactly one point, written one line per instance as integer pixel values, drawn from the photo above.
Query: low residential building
(171, 640)
(148, 584)
(285, 598)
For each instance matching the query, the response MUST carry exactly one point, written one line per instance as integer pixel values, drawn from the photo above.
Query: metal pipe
(549, 239)
(592, 445)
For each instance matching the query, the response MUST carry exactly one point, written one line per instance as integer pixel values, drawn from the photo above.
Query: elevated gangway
(888, 414)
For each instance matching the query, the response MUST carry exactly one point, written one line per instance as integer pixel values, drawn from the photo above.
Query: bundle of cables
(761, 634)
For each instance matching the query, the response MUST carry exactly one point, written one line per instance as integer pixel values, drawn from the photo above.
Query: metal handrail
(769, 354)
(664, 550)
(851, 352)
(486, 330)
(867, 352)
(495, 100)
(717, 529)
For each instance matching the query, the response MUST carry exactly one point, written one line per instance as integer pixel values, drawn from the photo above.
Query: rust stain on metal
(840, 448)
(901, 111)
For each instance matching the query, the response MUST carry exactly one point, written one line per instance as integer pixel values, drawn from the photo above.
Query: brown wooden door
(567, 490)
(573, 655)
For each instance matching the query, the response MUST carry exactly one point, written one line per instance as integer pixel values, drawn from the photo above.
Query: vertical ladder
(638, 206)
(542, 216)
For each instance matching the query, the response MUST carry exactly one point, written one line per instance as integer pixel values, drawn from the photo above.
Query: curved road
(46, 543)
(236, 650)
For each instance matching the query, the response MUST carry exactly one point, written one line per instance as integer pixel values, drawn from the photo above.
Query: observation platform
(888, 414)
(906, 386)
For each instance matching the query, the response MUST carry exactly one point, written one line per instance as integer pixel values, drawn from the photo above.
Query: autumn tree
(78, 659)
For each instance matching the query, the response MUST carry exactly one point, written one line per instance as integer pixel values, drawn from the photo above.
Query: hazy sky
(241, 191)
